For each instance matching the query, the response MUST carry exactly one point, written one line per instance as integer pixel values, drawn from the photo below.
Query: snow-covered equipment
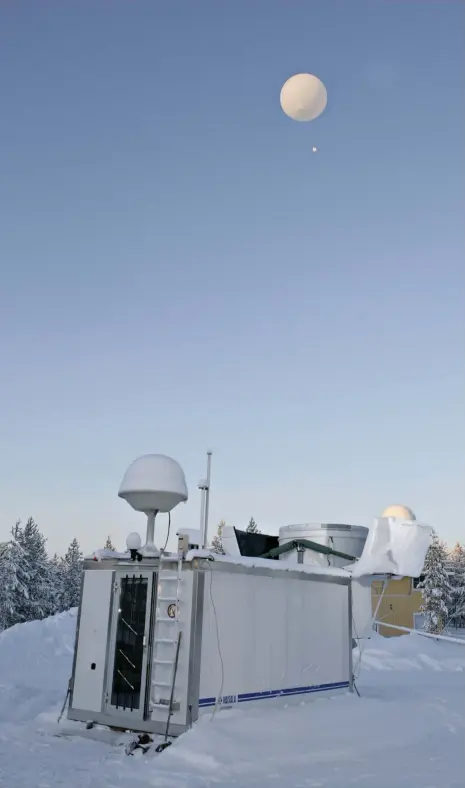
(395, 547)
(391, 547)
(254, 630)
(164, 637)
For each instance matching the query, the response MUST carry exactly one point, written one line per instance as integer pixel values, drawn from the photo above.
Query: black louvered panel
(129, 645)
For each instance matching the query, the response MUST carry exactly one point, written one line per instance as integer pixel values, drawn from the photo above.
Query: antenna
(153, 483)
(204, 487)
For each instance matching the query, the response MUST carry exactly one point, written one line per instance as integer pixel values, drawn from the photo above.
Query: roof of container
(270, 563)
(285, 566)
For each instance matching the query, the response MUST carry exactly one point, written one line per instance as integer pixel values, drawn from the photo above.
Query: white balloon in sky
(303, 97)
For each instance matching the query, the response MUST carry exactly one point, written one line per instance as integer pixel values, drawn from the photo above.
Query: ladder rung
(161, 683)
(164, 640)
(165, 620)
(167, 599)
(163, 661)
(167, 579)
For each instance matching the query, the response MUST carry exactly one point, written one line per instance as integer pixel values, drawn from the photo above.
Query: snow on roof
(241, 560)
(98, 555)
(269, 563)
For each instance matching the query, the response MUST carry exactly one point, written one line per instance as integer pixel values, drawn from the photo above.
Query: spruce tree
(13, 584)
(435, 588)
(457, 607)
(217, 545)
(40, 589)
(252, 527)
(72, 568)
(109, 545)
(57, 575)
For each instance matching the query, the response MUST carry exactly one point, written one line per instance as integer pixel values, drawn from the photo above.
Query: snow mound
(407, 727)
(412, 652)
(35, 666)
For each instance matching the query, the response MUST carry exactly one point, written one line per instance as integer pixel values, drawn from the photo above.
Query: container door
(129, 657)
(92, 641)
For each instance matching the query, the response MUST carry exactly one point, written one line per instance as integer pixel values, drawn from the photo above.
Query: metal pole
(149, 542)
(202, 512)
(207, 500)
(373, 618)
(421, 633)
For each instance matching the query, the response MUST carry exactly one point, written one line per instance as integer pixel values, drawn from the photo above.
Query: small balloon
(303, 97)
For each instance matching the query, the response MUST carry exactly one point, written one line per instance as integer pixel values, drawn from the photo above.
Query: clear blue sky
(179, 272)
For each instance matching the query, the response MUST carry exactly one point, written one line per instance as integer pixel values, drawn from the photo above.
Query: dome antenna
(153, 483)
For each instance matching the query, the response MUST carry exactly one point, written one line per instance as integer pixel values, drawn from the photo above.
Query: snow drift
(406, 729)
(35, 666)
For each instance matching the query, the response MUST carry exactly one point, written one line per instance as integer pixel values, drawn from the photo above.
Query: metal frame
(206, 564)
(107, 706)
(153, 604)
(307, 544)
(76, 641)
(109, 641)
(351, 660)
(324, 574)
(195, 653)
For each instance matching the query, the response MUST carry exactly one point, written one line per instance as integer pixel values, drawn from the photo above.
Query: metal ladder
(166, 635)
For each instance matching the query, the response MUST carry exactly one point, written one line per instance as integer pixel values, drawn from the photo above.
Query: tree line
(33, 585)
(443, 587)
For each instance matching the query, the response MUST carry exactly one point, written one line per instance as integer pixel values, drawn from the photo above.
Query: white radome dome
(154, 482)
(399, 512)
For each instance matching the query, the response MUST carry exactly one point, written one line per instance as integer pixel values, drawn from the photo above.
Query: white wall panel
(92, 642)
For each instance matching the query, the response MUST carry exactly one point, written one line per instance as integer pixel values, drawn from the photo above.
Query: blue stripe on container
(248, 696)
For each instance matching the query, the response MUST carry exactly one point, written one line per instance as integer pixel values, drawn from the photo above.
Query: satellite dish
(303, 97)
(153, 483)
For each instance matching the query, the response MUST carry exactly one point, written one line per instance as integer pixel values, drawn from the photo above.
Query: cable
(359, 646)
(220, 694)
(168, 534)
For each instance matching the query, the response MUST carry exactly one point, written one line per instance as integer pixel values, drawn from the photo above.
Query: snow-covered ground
(407, 729)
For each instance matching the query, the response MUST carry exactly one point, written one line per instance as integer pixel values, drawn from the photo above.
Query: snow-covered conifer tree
(457, 565)
(13, 584)
(435, 588)
(72, 568)
(252, 527)
(217, 544)
(57, 575)
(109, 545)
(40, 601)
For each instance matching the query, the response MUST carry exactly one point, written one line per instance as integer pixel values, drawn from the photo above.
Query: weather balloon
(303, 97)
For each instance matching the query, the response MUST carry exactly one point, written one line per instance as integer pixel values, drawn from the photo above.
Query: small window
(417, 580)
